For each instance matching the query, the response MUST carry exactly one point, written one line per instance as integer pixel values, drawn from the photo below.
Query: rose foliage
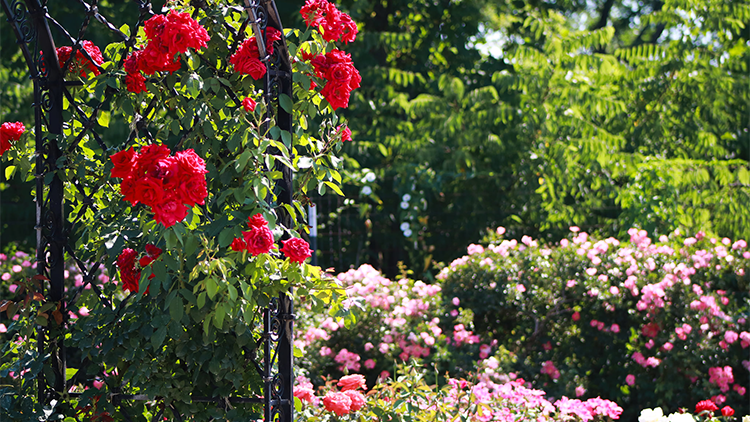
(178, 203)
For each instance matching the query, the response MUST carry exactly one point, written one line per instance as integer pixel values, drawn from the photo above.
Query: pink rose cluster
(343, 402)
(168, 184)
(247, 60)
(10, 132)
(335, 25)
(168, 36)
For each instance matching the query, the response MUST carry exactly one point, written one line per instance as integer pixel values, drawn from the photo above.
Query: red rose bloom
(257, 221)
(346, 133)
(135, 83)
(338, 403)
(148, 157)
(358, 400)
(123, 163)
(170, 211)
(194, 191)
(246, 59)
(128, 273)
(127, 189)
(705, 405)
(149, 191)
(296, 249)
(190, 163)
(650, 330)
(10, 132)
(249, 104)
(81, 64)
(336, 95)
(153, 251)
(727, 411)
(238, 245)
(259, 240)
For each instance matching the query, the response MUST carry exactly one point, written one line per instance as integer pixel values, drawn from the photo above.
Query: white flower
(366, 190)
(652, 415)
(404, 205)
(406, 197)
(407, 232)
(681, 417)
(370, 177)
(404, 226)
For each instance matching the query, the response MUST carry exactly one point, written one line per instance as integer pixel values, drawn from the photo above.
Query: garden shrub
(643, 322)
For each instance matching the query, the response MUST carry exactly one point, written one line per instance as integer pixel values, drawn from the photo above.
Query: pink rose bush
(638, 315)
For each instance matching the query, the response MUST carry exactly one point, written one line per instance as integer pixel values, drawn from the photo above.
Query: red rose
(190, 164)
(705, 405)
(346, 133)
(340, 73)
(650, 330)
(167, 170)
(358, 400)
(10, 132)
(128, 274)
(338, 403)
(154, 26)
(123, 163)
(296, 249)
(336, 95)
(81, 64)
(238, 245)
(257, 221)
(127, 189)
(193, 191)
(727, 411)
(149, 190)
(259, 240)
(249, 104)
(336, 25)
(312, 12)
(135, 83)
(170, 211)
(145, 261)
(126, 259)
(153, 251)
(148, 158)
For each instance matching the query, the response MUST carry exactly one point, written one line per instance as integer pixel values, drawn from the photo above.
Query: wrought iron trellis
(32, 24)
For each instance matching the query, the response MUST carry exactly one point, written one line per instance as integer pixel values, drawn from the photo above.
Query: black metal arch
(32, 24)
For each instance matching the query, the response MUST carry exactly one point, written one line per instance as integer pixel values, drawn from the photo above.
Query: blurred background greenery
(533, 115)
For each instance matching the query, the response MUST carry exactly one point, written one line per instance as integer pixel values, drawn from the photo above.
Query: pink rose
(352, 382)
(338, 403)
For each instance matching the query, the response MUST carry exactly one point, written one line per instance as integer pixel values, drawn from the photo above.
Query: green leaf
(219, 317)
(286, 103)
(335, 188)
(103, 118)
(158, 337)
(211, 287)
(9, 172)
(176, 308)
(383, 150)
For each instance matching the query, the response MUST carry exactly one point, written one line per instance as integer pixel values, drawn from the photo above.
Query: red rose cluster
(296, 249)
(246, 59)
(337, 68)
(128, 272)
(256, 241)
(336, 25)
(10, 132)
(167, 36)
(81, 64)
(168, 184)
